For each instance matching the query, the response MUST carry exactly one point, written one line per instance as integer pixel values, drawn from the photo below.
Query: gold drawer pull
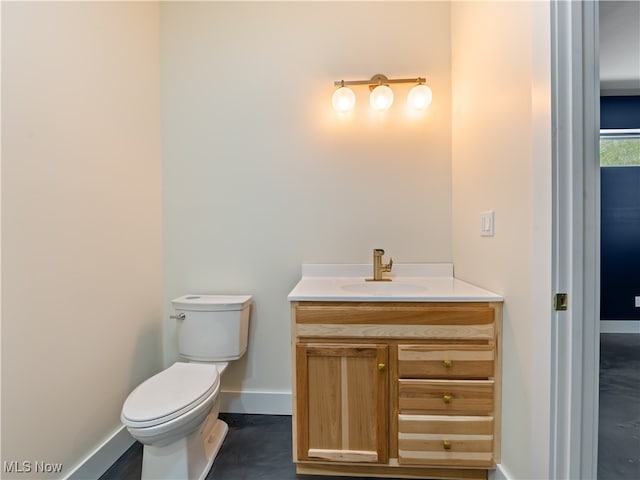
(447, 363)
(446, 444)
(447, 398)
(381, 367)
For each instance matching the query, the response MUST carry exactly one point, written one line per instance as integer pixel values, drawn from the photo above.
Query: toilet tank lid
(211, 303)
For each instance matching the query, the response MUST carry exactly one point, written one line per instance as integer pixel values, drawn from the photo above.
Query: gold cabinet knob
(381, 367)
(447, 363)
(446, 444)
(446, 398)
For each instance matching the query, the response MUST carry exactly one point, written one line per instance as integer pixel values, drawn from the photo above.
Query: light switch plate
(487, 223)
(638, 301)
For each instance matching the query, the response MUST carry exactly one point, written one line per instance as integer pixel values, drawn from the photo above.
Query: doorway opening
(619, 386)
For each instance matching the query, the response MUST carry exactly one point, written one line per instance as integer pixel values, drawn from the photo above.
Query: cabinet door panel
(342, 402)
(361, 402)
(325, 397)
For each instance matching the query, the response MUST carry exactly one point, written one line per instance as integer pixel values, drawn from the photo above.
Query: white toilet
(175, 413)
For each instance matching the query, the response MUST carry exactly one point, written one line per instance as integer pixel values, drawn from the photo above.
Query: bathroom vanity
(395, 379)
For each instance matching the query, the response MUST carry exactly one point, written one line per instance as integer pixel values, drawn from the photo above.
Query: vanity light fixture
(381, 97)
(420, 97)
(343, 99)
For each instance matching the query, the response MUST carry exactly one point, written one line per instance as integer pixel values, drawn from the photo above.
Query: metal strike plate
(560, 302)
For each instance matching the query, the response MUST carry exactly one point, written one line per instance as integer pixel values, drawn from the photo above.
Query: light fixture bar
(378, 79)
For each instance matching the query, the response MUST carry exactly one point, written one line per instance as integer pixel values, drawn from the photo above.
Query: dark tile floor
(619, 426)
(258, 447)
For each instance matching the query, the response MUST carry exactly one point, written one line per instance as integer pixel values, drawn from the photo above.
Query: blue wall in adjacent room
(620, 112)
(620, 220)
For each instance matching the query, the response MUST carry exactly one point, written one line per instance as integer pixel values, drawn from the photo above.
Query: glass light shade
(343, 99)
(420, 97)
(381, 98)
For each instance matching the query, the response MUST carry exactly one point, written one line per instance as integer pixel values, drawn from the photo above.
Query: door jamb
(576, 240)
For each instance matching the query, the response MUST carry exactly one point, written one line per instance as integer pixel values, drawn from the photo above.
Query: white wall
(261, 175)
(619, 44)
(81, 223)
(501, 162)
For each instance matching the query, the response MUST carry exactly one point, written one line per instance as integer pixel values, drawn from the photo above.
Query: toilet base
(188, 458)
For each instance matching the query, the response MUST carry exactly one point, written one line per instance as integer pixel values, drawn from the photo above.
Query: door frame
(576, 239)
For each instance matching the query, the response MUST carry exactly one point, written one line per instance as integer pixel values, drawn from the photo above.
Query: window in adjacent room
(619, 147)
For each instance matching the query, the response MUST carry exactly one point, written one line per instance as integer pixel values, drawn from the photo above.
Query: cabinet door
(341, 402)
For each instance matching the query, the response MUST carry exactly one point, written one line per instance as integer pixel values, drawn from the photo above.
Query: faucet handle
(387, 267)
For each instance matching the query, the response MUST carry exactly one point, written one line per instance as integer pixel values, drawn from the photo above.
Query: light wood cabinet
(342, 402)
(396, 389)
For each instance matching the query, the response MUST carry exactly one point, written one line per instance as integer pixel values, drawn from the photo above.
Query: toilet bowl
(174, 414)
(172, 403)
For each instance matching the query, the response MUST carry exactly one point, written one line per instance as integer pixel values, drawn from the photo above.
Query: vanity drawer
(456, 397)
(445, 361)
(445, 440)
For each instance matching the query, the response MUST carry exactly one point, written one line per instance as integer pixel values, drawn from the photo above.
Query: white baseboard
(500, 473)
(619, 326)
(266, 403)
(103, 456)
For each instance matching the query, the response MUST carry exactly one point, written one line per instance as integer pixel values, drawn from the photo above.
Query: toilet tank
(212, 328)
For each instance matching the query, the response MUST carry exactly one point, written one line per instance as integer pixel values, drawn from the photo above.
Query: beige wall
(261, 175)
(81, 223)
(501, 162)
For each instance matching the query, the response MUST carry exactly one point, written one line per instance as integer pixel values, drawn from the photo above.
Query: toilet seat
(169, 394)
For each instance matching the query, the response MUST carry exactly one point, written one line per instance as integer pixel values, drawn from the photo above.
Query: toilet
(174, 414)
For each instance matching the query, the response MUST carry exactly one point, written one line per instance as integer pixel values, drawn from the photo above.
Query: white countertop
(424, 282)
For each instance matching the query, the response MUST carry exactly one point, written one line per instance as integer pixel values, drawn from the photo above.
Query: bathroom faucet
(378, 267)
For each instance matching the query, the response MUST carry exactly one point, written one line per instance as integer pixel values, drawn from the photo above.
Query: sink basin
(384, 288)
